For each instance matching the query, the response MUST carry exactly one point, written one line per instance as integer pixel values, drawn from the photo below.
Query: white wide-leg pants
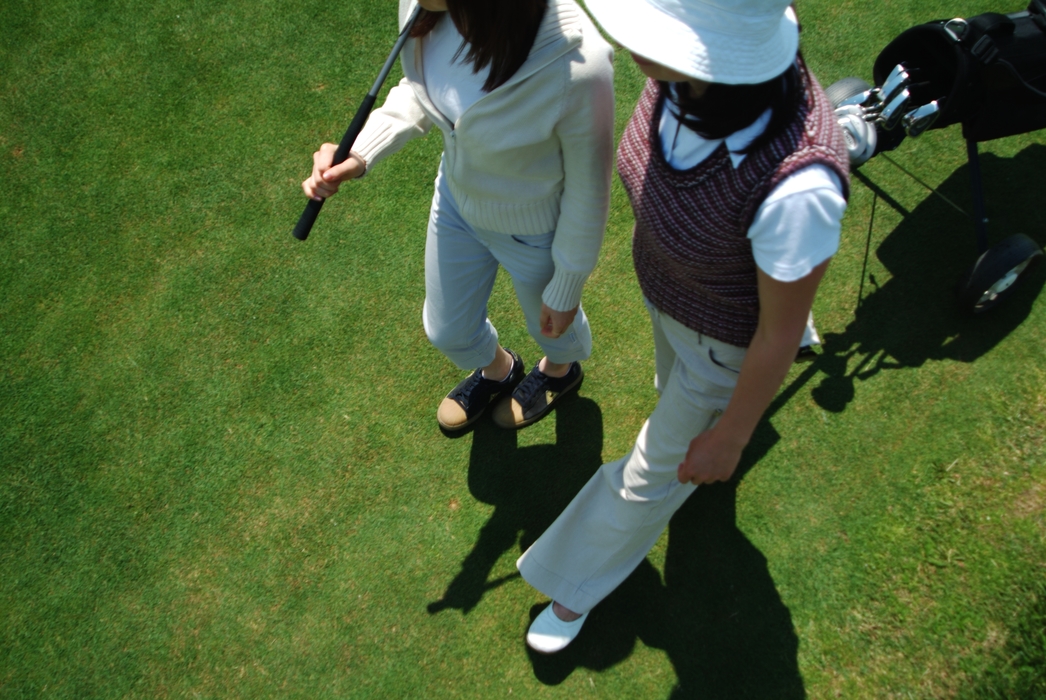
(461, 264)
(617, 517)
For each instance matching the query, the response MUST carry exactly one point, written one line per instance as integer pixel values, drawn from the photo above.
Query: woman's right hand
(325, 179)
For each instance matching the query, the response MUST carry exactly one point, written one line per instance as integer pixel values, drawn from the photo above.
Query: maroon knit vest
(690, 249)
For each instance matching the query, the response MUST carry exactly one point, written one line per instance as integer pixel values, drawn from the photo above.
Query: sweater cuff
(361, 159)
(373, 144)
(563, 292)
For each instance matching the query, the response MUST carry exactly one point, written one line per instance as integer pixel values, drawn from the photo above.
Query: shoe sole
(563, 394)
(460, 426)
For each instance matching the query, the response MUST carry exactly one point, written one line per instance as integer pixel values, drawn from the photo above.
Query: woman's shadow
(528, 487)
(716, 612)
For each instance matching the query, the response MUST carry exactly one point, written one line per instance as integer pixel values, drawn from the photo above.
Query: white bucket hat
(718, 41)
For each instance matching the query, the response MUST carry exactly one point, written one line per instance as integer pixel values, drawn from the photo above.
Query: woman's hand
(712, 456)
(325, 179)
(556, 323)
(783, 309)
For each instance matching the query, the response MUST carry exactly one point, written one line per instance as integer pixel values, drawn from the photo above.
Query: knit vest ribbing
(690, 246)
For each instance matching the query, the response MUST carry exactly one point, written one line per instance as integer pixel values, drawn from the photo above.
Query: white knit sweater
(533, 155)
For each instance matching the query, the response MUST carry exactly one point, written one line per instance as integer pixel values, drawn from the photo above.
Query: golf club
(312, 209)
(861, 99)
(875, 99)
(894, 83)
(921, 118)
(892, 113)
(860, 135)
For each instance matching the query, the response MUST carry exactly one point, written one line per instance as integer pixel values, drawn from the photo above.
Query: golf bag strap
(983, 31)
(1037, 10)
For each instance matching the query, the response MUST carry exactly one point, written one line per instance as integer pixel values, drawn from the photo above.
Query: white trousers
(617, 517)
(461, 264)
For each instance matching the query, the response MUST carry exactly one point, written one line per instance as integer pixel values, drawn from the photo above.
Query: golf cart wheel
(844, 89)
(994, 276)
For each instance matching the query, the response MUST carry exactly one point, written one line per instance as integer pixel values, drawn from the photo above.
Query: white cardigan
(533, 155)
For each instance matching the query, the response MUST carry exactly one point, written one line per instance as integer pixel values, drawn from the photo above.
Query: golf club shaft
(312, 209)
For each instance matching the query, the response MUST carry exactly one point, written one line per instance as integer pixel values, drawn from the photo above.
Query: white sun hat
(718, 41)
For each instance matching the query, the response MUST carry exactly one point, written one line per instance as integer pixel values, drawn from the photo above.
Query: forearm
(586, 135)
(574, 255)
(766, 364)
(391, 126)
(783, 310)
(578, 239)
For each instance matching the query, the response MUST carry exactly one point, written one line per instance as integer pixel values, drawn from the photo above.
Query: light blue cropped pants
(461, 263)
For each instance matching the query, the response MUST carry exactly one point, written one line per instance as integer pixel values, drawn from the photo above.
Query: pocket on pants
(721, 363)
(541, 241)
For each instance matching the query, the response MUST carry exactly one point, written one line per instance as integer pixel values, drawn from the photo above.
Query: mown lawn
(220, 473)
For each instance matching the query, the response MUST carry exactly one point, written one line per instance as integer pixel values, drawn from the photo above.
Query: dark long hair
(498, 33)
(724, 109)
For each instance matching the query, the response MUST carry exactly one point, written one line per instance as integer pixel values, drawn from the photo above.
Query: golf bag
(987, 72)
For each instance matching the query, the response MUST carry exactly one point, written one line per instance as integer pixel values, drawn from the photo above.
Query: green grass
(219, 471)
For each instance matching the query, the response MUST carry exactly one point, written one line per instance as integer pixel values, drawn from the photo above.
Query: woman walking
(522, 92)
(738, 176)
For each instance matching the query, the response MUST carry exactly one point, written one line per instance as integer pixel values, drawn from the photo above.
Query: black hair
(723, 109)
(498, 33)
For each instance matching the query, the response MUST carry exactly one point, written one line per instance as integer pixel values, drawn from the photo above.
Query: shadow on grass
(716, 613)
(912, 317)
(528, 486)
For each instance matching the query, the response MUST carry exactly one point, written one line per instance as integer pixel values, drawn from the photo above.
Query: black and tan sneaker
(536, 396)
(466, 402)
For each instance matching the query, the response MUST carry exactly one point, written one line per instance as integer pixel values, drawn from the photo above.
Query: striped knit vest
(690, 249)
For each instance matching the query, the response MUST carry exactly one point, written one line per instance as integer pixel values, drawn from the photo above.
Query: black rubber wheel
(845, 88)
(994, 276)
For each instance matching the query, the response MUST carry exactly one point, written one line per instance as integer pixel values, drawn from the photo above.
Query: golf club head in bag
(860, 134)
(862, 99)
(921, 118)
(898, 79)
(892, 112)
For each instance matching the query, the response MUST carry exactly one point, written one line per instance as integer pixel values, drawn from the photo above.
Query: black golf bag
(987, 72)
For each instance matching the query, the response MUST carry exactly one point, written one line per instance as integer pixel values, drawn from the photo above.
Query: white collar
(743, 138)
(735, 142)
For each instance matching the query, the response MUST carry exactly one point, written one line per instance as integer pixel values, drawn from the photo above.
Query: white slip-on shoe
(548, 634)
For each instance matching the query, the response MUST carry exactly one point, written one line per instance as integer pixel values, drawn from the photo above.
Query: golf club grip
(307, 219)
(313, 207)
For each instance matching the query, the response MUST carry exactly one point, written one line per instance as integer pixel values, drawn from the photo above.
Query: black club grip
(313, 207)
